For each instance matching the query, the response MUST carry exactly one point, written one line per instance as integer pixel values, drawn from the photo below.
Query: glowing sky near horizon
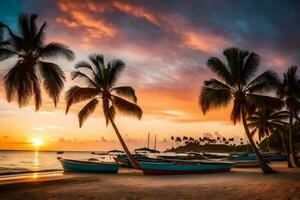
(165, 45)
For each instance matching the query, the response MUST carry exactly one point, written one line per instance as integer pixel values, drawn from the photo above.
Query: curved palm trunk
(287, 152)
(268, 143)
(264, 166)
(293, 158)
(134, 163)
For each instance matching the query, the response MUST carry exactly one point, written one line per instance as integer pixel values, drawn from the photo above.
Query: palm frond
(235, 61)
(251, 65)
(117, 67)
(53, 79)
(85, 65)
(78, 94)
(6, 54)
(126, 91)
(127, 107)
(98, 61)
(265, 82)
(262, 101)
(56, 50)
(18, 84)
(217, 66)
(36, 89)
(213, 98)
(86, 78)
(86, 111)
(213, 83)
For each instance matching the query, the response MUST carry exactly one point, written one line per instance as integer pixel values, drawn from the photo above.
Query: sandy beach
(131, 184)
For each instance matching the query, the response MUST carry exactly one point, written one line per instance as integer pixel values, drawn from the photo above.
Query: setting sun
(37, 142)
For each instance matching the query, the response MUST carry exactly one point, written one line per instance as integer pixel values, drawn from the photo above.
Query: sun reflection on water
(36, 161)
(35, 175)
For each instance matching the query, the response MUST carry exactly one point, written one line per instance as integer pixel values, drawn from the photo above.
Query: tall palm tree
(268, 121)
(289, 90)
(237, 85)
(23, 81)
(101, 79)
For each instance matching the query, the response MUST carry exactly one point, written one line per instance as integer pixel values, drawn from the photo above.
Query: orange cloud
(78, 16)
(137, 11)
(204, 42)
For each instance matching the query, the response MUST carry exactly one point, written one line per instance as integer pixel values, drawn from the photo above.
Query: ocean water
(18, 162)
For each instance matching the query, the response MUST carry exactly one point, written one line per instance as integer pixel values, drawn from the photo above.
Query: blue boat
(88, 166)
(200, 167)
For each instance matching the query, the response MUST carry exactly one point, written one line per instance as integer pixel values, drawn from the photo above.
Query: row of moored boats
(189, 163)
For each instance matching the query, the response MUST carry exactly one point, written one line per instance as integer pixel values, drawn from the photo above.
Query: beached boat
(183, 157)
(89, 166)
(124, 162)
(244, 160)
(154, 168)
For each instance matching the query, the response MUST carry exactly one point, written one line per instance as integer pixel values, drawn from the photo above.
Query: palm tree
(268, 121)
(236, 85)
(172, 138)
(23, 81)
(101, 79)
(289, 91)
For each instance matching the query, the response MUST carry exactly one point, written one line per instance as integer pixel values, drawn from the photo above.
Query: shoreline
(246, 183)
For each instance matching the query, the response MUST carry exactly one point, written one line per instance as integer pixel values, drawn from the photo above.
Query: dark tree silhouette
(23, 81)
(289, 90)
(101, 79)
(238, 86)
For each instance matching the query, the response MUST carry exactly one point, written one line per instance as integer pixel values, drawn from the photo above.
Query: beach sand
(131, 184)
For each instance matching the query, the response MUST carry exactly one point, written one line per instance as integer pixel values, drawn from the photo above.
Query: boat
(246, 163)
(274, 157)
(124, 162)
(215, 156)
(171, 168)
(183, 157)
(244, 160)
(89, 166)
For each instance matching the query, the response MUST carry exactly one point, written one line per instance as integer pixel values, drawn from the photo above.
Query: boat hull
(89, 167)
(244, 163)
(176, 169)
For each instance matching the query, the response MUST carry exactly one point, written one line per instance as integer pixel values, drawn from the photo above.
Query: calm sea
(18, 162)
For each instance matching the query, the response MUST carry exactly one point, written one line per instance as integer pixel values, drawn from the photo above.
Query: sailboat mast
(155, 143)
(148, 140)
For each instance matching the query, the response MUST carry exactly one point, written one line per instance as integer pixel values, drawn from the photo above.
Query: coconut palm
(23, 80)
(237, 86)
(289, 90)
(266, 122)
(101, 79)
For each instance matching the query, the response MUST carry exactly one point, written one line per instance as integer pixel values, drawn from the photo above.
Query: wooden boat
(89, 166)
(154, 168)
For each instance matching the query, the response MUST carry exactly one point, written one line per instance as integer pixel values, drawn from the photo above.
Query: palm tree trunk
(264, 166)
(268, 143)
(286, 151)
(134, 163)
(293, 158)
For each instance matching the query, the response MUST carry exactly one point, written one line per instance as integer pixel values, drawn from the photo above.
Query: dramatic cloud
(165, 45)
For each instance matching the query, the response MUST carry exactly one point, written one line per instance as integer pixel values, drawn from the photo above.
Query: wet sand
(131, 184)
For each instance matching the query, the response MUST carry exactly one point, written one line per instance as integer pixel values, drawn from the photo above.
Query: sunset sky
(165, 45)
